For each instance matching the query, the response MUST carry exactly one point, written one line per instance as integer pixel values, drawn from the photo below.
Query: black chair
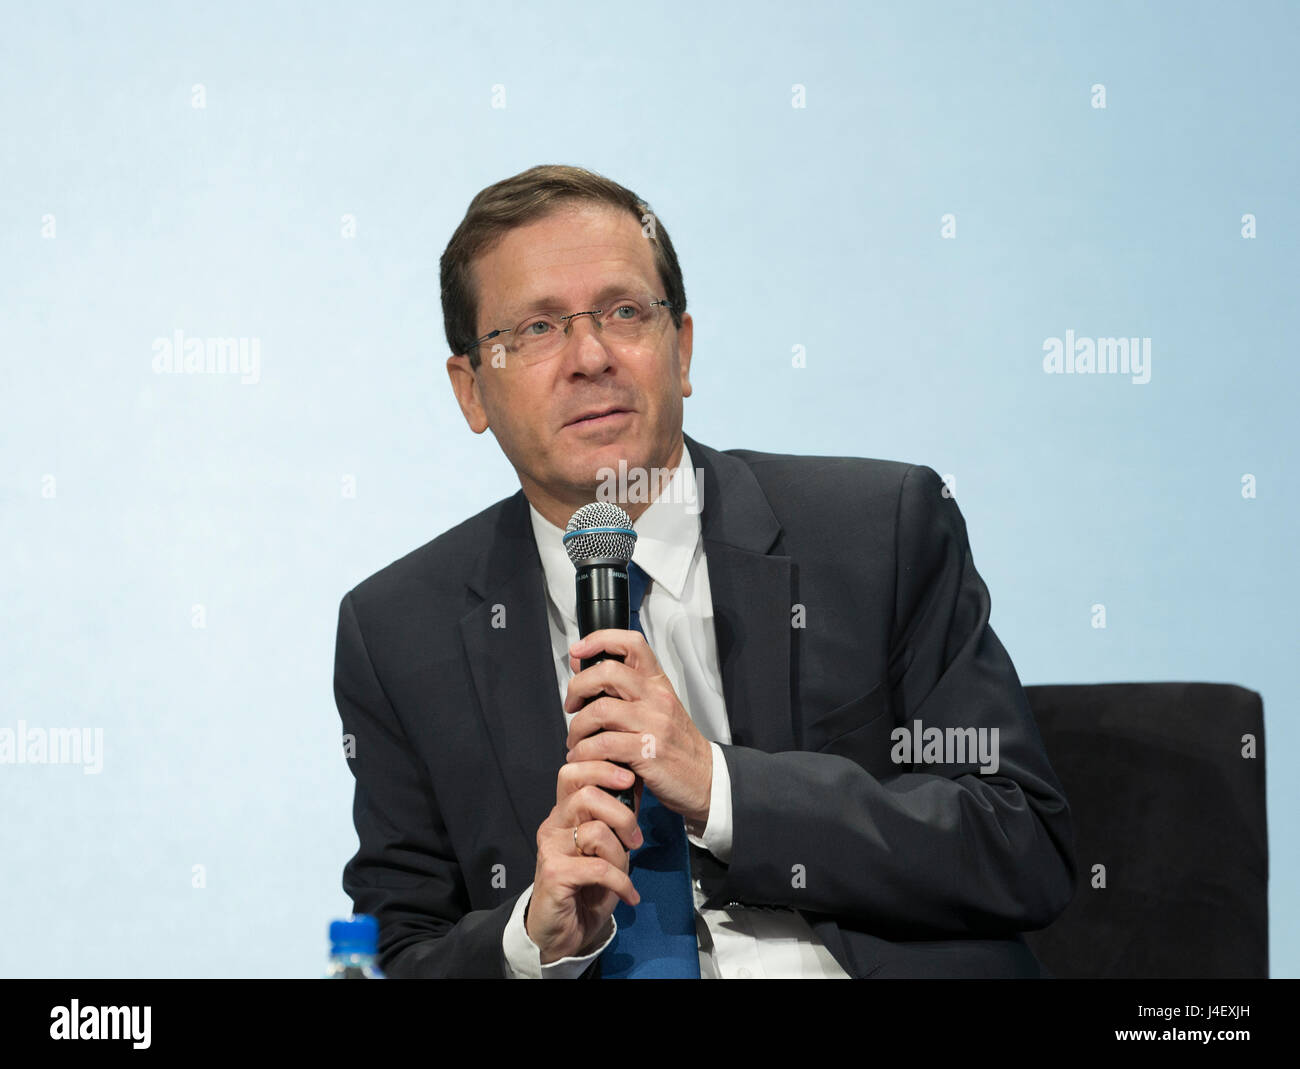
(1166, 801)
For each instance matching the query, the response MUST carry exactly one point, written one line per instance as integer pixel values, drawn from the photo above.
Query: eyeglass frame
(565, 319)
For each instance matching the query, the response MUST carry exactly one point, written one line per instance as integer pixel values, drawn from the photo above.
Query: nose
(586, 350)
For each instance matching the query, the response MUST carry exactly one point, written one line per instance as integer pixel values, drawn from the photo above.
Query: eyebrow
(552, 303)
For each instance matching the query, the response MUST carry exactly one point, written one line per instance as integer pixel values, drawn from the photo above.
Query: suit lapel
(752, 600)
(512, 666)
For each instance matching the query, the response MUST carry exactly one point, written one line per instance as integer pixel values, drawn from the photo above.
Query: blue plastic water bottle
(353, 945)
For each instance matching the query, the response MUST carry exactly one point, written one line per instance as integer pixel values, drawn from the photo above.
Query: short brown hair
(516, 201)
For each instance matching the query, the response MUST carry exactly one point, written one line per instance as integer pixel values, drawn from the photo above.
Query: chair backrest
(1166, 786)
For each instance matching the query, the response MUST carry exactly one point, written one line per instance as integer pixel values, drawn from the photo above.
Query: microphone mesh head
(599, 531)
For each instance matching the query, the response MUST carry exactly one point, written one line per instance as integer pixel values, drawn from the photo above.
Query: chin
(633, 452)
(588, 467)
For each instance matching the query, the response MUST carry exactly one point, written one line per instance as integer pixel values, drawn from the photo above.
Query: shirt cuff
(716, 838)
(524, 959)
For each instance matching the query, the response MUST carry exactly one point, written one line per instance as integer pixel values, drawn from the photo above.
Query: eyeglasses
(624, 321)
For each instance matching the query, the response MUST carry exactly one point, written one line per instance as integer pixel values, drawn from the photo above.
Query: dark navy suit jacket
(444, 678)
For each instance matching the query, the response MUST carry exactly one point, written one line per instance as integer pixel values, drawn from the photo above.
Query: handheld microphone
(599, 540)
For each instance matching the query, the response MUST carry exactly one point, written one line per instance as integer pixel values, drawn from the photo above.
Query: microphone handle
(602, 603)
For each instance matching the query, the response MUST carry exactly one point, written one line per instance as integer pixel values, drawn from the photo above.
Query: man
(793, 626)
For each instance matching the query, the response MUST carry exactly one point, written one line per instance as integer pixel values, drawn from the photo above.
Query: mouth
(600, 417)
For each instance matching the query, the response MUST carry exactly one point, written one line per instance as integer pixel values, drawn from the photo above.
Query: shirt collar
(667, 534)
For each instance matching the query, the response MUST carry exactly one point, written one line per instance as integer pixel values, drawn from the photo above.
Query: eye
(627, 310)
(536, 328)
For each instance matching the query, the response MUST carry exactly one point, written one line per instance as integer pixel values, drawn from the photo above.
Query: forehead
(565, 257)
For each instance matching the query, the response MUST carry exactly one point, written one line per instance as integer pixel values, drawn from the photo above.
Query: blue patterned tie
(656, 939)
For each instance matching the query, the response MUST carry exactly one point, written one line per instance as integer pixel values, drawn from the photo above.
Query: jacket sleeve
(931, 849)
(404, 872)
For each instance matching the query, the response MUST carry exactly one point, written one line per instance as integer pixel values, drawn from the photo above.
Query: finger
(561, 876)
(606, 714)
(616, 747)
(630, 645)
(575, 775)
(595, 839)
(593, 803)
(596, 871)
(614, 678)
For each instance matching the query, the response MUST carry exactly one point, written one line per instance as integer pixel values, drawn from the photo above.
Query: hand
(574, 894)
(638, 723)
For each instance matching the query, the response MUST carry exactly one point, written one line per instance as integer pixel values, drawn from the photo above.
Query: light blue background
(815, 226)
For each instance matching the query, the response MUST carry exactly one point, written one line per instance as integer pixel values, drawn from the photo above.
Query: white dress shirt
(676, 614)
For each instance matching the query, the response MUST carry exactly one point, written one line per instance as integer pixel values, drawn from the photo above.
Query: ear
(685, 337)
(464, 383)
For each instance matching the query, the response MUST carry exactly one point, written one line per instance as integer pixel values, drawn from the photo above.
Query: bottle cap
(358, 934)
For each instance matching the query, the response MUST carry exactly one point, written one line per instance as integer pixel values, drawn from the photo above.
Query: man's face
(563, 262)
